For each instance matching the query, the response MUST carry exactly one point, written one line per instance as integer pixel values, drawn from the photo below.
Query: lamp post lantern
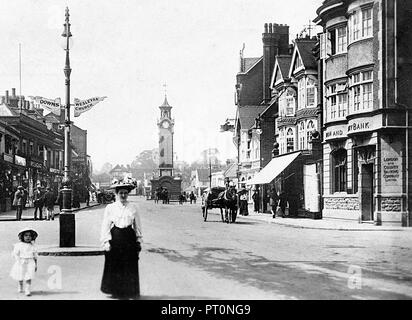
(66, 219)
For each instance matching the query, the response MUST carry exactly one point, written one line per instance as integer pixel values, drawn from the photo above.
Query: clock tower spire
(165, 125)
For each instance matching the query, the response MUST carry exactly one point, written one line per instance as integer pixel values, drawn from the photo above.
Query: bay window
(360, 24)
(361, 91)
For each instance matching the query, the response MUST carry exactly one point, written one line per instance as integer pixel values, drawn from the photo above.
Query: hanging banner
(81, 106)
(45, 103)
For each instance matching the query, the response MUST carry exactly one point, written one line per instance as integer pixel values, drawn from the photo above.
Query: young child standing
(25, 253)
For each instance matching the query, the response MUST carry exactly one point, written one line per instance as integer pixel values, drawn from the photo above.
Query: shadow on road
(307, 280)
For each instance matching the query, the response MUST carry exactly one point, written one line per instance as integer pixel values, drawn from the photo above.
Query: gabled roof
(281, 68)
(7, 111)
(250, 63)
(303, 50)
(248, 114)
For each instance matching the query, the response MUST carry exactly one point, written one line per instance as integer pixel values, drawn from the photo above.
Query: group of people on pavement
(277, 201)
(41, 198)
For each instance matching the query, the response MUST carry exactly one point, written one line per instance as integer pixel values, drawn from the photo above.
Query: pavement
(28, 212)
(324, 223)
(306, 223)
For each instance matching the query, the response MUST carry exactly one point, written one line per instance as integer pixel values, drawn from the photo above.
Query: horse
(228, 201)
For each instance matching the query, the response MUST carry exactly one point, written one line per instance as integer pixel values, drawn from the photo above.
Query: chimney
(7, 96)
(13, 92)
(275, 41)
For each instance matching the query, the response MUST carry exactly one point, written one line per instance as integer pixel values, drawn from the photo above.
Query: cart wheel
(205, 213)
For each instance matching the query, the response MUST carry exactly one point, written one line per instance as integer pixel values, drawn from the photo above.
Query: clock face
(165, 124)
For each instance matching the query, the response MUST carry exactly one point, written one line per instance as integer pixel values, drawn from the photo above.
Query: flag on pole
(81, 106)
(45, 103)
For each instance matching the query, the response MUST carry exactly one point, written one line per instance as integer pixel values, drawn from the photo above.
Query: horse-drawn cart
(219, 197)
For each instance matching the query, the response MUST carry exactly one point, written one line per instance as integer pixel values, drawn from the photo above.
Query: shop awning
(275, 167)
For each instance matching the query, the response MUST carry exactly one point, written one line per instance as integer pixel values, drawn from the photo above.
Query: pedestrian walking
(25, 254)
(283, 200)
(87, 197)
(38, 203)
(256, 200)
(273, 202)
(24, 198)
(243, 205)
(121, 235)
(49, 201)
(18, 202)
(192, 197)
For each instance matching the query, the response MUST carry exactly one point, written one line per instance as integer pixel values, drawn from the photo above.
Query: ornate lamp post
(66, 220)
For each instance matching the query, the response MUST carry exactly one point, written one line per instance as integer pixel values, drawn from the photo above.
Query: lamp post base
(67, 230)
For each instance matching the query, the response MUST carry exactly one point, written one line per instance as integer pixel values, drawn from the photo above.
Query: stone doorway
(366, 192)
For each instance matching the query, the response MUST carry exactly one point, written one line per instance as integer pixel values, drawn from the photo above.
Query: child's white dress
(25, 265)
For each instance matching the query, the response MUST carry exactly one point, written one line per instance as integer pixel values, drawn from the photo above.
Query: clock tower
(165, 125)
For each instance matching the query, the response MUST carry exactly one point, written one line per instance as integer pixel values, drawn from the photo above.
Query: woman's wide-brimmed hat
(126, 183)
(31, 230)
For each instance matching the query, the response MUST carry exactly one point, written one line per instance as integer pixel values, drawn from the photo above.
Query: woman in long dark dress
(121, 235)
(243, 205)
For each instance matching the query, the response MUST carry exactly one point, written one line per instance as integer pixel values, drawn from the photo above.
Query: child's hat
(32, 231)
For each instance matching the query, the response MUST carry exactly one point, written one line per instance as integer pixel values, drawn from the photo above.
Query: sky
(127, 50)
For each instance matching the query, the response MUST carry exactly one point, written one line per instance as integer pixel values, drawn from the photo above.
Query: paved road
(186, 258)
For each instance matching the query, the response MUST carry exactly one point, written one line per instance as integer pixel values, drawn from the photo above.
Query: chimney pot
(270, 28)
(13, 92)
(266, 28)
(7, 96)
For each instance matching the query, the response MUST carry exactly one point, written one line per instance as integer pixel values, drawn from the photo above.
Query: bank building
(366, 73)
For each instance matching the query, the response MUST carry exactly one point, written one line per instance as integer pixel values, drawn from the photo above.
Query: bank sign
(364, 124)
(354, 126)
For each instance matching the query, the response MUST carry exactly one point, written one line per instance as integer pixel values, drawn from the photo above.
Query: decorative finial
(67, 14)
(165, 86)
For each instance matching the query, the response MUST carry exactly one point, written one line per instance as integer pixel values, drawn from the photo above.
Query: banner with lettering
(45, 103)
(81, 106)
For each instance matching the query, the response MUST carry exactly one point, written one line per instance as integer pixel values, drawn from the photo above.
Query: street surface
(184, 257)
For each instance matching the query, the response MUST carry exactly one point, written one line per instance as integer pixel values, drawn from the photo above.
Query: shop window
(339, 171)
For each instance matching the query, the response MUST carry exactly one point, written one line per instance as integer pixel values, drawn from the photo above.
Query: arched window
(290, 102)
(290, 141)
(302, 136)
(309, 129)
